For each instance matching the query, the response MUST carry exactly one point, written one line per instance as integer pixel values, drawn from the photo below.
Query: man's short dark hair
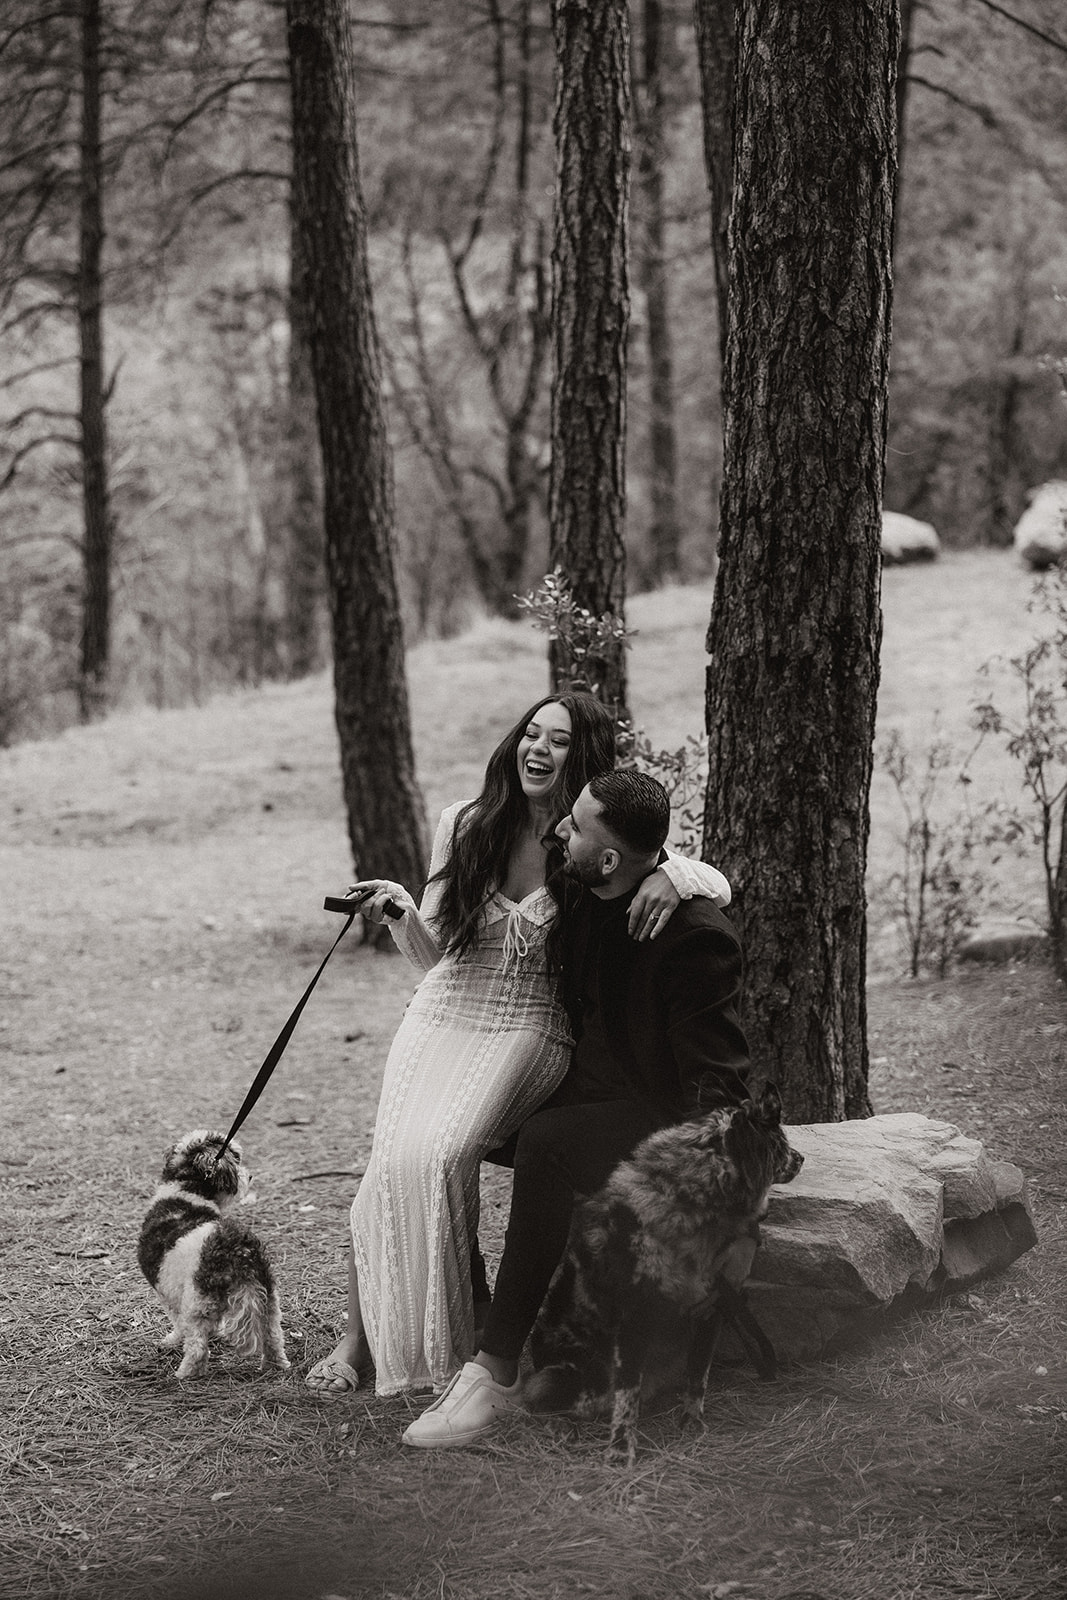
(634, 807)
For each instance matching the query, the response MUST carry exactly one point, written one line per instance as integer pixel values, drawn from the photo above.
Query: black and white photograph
(533, 799)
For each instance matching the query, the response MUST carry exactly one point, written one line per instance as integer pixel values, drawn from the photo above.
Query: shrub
(552, 609)
(937, 892)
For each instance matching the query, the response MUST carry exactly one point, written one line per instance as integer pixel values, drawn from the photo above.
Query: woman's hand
(652, 906)
(373, 895)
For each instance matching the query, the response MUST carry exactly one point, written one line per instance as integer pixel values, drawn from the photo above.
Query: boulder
(907, 539)
(1041, 532)
(1000, 942)
(884, 1209)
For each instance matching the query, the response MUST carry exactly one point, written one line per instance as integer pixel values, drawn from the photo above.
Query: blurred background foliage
(208, 423)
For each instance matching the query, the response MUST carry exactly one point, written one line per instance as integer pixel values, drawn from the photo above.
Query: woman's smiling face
(543, 749)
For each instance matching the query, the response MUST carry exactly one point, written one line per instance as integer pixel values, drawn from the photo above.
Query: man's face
(586, 842)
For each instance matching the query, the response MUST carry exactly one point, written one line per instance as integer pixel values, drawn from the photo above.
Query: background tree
(591, 312)
(96, 621)
(483, 232)
(104, 180)
(52, 214)
(225, 171)
(203, 444)
(386, 820)
(651, 123)
(716, 52)
(974, 423)
(305, 583)
(795, 626)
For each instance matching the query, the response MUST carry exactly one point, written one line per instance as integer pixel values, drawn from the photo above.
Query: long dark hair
(487, 828)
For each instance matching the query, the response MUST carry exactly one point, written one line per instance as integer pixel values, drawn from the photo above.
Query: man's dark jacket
(669, 1006)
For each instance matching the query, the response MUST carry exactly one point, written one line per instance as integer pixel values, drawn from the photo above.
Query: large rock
(907, 539)
(883, 1208)
(998, 942)
(1041, 532)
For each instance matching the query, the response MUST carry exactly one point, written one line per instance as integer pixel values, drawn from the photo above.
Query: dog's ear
(769, 1106)
(172, 1160)
(223, 1174)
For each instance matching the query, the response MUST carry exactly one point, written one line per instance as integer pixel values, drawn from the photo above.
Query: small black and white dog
(656, 1259)
(211, 1273)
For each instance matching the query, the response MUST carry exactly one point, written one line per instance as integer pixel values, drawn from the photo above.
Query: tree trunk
(591, 314)
(907, 22)
(716, 49)
(664, 534)
(527, 301)
(796, 623)
(304, 578)
(1056, 884)
(1003, 452)
(96, 624)
(386, 821)
(1005, 458)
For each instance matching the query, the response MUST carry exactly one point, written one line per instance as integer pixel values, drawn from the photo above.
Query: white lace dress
(482, 1044)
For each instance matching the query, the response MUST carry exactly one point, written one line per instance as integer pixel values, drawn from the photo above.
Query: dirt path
(161, 882)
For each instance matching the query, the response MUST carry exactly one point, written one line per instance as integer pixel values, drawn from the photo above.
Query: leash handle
(274, 1054)
(336, 902)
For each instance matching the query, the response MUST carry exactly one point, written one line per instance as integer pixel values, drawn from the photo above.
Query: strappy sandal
(327, 1372)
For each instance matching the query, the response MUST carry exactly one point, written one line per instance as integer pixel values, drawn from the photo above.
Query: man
(657, 1040)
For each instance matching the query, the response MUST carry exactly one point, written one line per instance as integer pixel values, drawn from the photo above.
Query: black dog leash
(277, 1049)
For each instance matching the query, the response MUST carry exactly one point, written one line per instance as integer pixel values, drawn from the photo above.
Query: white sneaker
(471, 1406)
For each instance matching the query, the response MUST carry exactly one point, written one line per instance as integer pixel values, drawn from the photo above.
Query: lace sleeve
(415, 933)
(691, 878)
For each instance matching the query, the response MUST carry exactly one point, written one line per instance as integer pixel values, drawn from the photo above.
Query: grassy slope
(162, 877)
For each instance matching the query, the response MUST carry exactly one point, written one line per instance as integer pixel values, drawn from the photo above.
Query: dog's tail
(553, 1389)
(245, 1319)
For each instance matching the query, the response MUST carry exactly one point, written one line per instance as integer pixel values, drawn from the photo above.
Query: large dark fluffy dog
(211, 1273)
(658, 1253)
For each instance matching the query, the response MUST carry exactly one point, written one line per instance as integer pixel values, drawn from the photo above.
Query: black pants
(561, 1153)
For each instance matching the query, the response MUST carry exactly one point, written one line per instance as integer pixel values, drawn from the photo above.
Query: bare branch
(1027, 27)
(221, 91)
(49, 148)
(499, 488)
(63, 14)
(206, 190)
(29, 314)
(109, 387)
(470, 318)
(27, 449)
(981, 111)
(35, 371)
(434, 439)
(12, 542)
(51, 412)
(992, 121)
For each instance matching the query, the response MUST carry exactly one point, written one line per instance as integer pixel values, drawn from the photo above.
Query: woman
(483, 1043)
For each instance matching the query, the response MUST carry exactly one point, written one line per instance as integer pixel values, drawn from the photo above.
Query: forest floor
(162, 878)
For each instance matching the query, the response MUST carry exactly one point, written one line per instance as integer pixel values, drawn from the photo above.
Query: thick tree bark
(664, 533)
(96, 604)
(796, 623)
(386, 821)
(591, 314)
(716, 50)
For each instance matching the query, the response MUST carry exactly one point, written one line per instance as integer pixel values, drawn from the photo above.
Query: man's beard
(587, 874)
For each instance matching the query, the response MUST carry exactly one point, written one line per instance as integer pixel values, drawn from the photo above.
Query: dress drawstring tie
(516, 948)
